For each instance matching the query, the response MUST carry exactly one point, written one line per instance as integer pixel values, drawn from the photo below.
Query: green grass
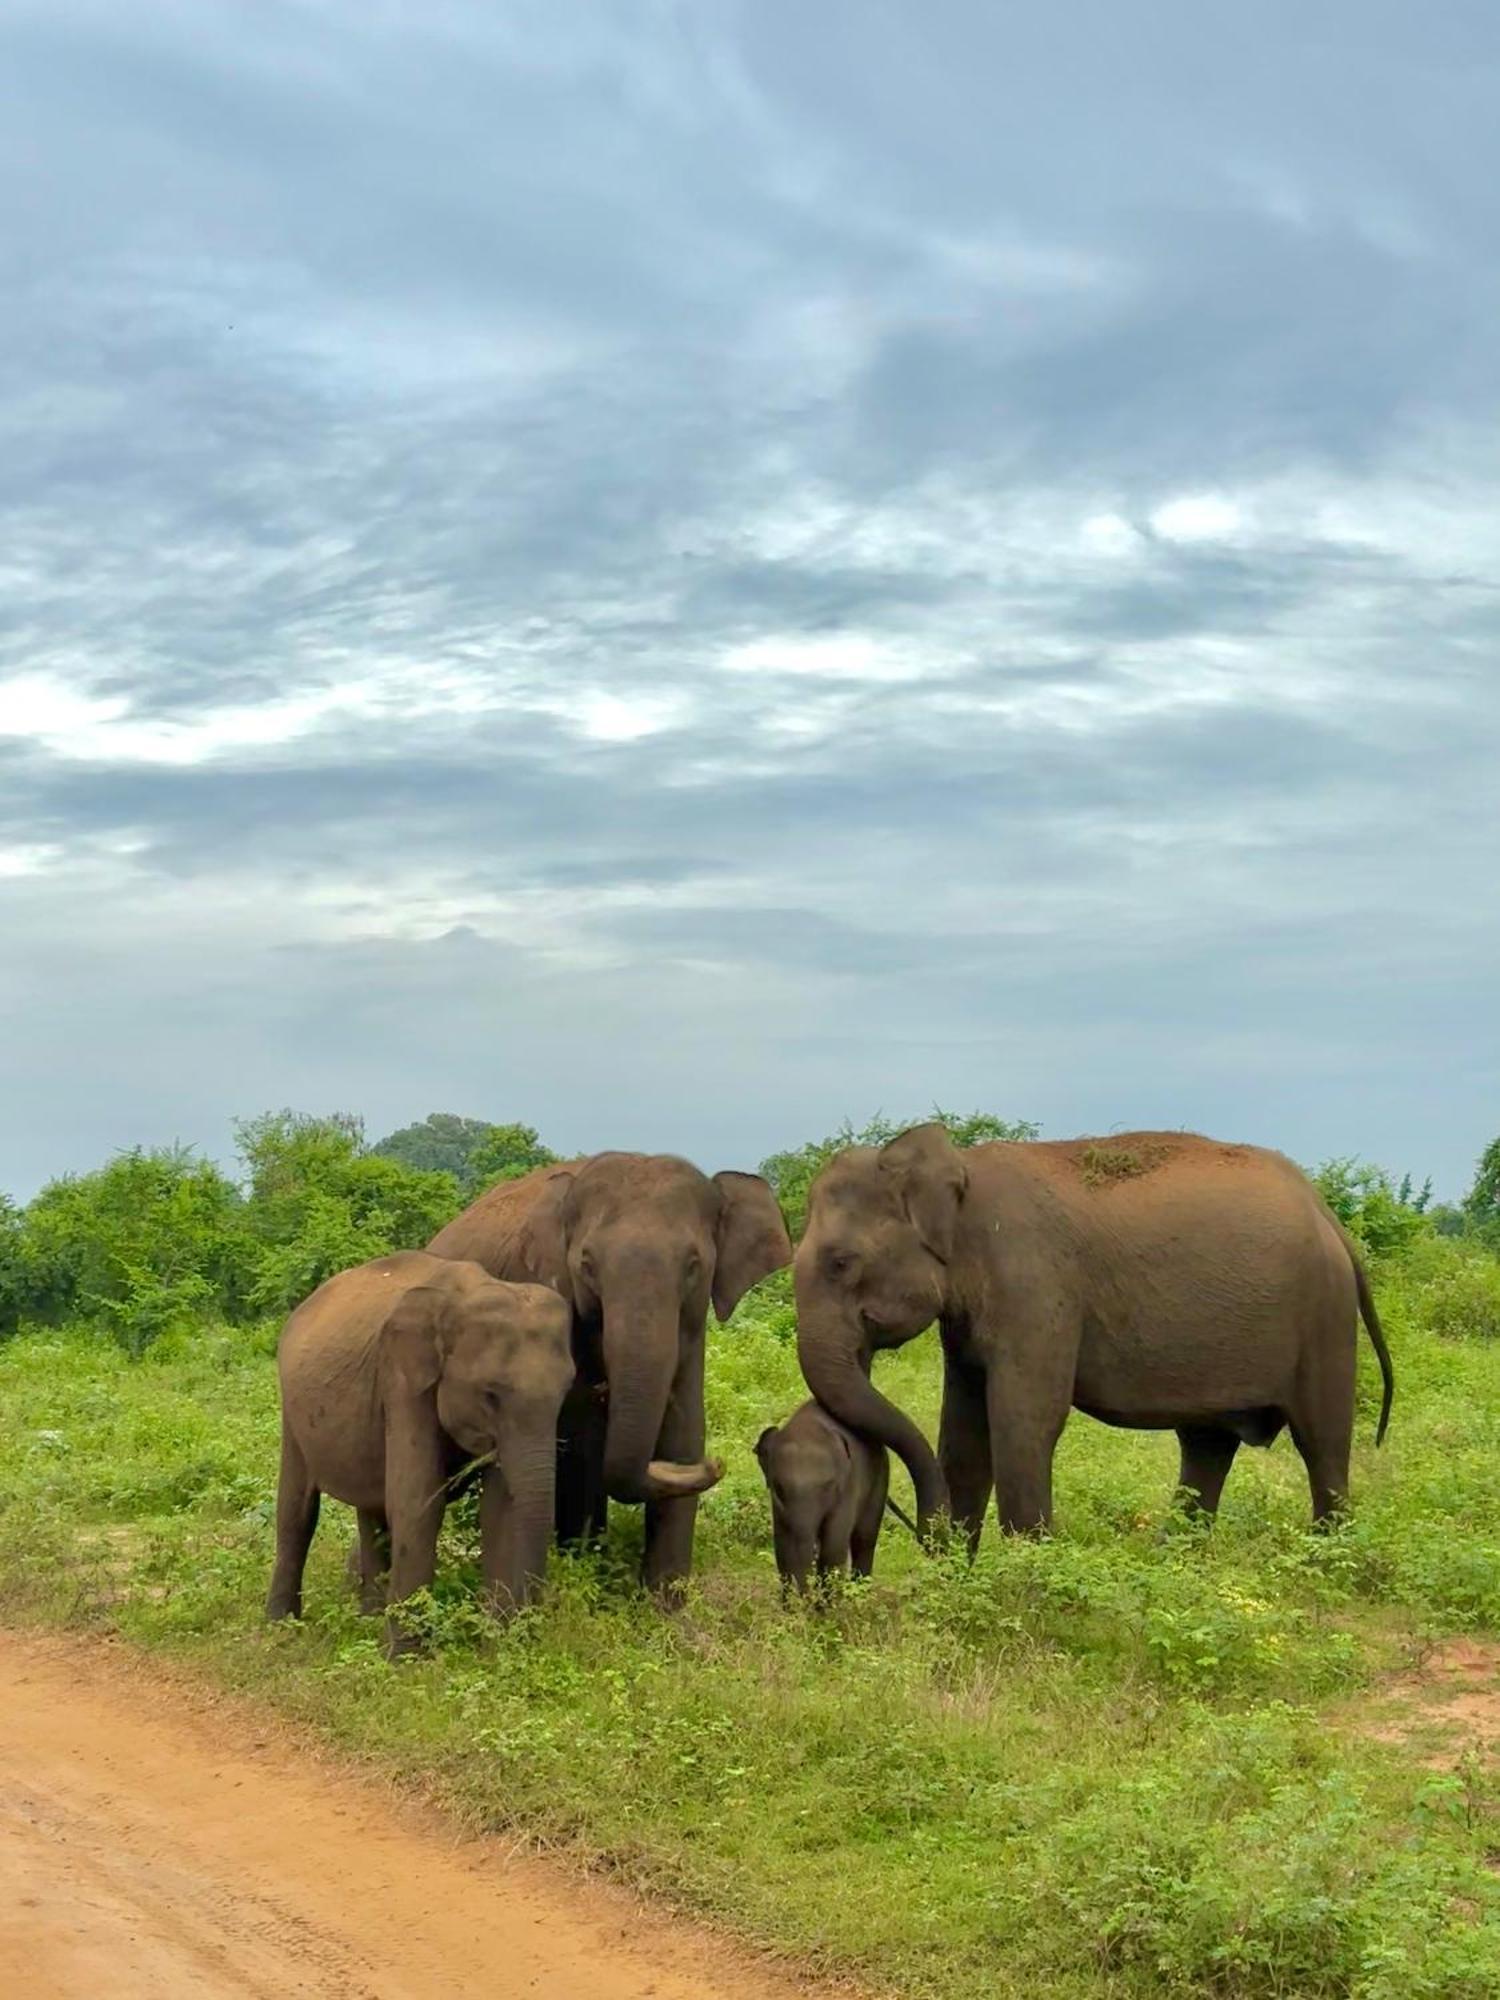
(1127, 1761)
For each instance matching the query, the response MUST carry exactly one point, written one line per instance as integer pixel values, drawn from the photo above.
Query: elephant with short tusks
(403, 1380)
(637, 1244)
(1155, 1280)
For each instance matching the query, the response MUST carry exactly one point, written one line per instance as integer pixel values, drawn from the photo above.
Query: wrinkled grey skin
(1155, 1280)
(395, 1377)
(637, 1244)
(828, 1491)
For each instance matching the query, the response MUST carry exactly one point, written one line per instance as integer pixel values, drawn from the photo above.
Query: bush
(1461, 1300)
(319, 1203)
(12, 1267)
(95, 1246)
(1384, 1216)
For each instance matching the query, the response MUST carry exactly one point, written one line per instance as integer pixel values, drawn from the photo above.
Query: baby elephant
(828, 1492)
(395, 1378)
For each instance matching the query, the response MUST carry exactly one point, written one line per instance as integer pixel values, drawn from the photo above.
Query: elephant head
(872, 1270)
(639, 1245)
(495, 1360)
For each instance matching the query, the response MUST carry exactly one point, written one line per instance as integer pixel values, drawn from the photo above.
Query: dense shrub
(319, 1202)
(102, 1244)
(159, 1242)
(1385, 1215)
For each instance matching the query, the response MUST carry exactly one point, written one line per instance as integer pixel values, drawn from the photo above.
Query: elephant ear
(751, 1239)
(931, 1177)
(542, 1239)
(412, 1339)
(762, 1443)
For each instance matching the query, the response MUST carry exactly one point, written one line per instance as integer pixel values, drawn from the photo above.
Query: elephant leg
(836, 1535)
(416, 1496)
(1028, 1406)
(1207, 1454)
(1321, 1420)
(964, 1446)
(581, 1508)
(866, 1535)
(296, 1520)
(795, 1552)
(668, 1558)
(373, 1561)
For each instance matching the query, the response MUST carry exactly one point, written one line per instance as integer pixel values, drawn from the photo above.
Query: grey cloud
(568, 357)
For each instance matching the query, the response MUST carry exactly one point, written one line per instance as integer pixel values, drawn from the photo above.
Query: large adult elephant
(638, 1244)
(1155, 1280)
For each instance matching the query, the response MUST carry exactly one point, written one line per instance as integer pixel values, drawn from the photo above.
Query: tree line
(160, 1240)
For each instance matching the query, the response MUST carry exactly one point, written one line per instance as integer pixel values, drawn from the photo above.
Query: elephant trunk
(515, 1523)
(835, 1365)
(640, 1360)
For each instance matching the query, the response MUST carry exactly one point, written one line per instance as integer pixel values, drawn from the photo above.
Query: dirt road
(156, 1845)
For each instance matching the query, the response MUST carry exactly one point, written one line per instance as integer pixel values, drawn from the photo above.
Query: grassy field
(1131, 1760)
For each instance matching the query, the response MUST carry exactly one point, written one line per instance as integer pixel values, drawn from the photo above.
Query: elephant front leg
(416, 1494)
(582, 1507)
(964, 1451)
(372, 1561)
(670, 1524)
(1026, 1414)
(866, 1535)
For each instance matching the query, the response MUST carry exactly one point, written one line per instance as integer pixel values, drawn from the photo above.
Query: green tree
(442, 1142)
(318, 1202)
(12, 1266)
(505, 1153)
(792, 1173)
(1482, 1202)
(1384, 1215)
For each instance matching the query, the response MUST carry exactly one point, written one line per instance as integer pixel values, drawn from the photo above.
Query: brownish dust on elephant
(1155, 1280)
(637, 1244)
(401, 1381)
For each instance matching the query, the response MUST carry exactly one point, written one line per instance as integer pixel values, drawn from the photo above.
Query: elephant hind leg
(1322, 1422)
(1207, 1454)
(296, 1520)
(373, 1561)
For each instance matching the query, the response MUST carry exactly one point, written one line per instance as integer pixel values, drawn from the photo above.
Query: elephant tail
(892, 1507)
(1376, 1332)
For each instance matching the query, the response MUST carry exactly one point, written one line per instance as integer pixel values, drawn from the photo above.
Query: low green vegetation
(1136, 1759)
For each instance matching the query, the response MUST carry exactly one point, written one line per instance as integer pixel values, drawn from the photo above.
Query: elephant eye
(837, 1263)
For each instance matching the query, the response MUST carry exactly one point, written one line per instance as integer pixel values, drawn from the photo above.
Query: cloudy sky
(684, 571)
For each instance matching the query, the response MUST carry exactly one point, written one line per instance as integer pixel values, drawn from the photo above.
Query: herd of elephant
(549, 1343)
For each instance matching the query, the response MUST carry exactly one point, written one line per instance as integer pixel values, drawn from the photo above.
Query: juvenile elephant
(828, 1493)
(396, 1377)
(1157, 1280)
(637, 1244)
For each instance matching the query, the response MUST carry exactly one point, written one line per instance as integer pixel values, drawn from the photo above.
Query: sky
(686, 572)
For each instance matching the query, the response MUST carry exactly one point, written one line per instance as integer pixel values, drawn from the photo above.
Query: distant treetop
(475, 1151)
